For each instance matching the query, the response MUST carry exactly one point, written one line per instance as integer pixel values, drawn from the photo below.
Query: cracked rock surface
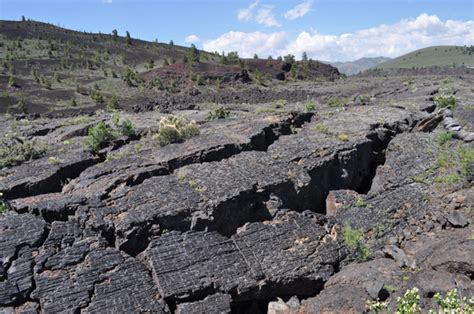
(276, 210)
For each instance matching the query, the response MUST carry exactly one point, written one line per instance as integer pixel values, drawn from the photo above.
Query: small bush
(409, 303)
(353, 238)
(343, 137)
(321, 128)
(453, 303)
(16, 150)
(97, 97)
(3, 206)
(175, 129)
(377, 306)
(360, 202)
(12, 82)
(102, 134)
(310, 106)
(112, 103)
(99, 136)
(445, 101)
(279, 104)
(218, 112)
(336, 102)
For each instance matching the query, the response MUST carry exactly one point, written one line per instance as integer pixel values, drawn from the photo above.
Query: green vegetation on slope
(432, 56)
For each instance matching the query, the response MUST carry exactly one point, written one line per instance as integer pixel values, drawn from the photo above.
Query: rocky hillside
(50, 70)
(345, 202)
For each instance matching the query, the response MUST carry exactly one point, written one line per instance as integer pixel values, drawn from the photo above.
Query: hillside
(432, 56)
(48, 69)
(359, 65)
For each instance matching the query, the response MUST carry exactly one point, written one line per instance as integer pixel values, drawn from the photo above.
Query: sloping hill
(45, 68)
(432, 56)
(359, 65)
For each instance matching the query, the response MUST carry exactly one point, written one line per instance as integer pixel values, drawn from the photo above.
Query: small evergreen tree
(304, 57)
(255, 56)
(128, 38)
(114, 35)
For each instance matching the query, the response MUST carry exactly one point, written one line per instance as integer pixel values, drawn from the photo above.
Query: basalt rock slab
(215, 304)
(77, 271)
(43, 175)
(293, 254)
(21, 235)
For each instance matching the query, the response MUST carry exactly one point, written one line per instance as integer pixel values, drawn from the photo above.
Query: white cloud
(246, 13)
(107, 1)
(192, 39)
(247, 44)
(384, 40)
(266, 17)
(299, 11)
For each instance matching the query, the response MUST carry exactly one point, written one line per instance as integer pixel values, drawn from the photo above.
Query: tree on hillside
(128, 38)
(114, 35)
(194, 55)
(171, 43)
(255, 56)
(304, 57)
(289, 58)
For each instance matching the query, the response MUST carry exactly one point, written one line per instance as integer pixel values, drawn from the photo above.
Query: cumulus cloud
(299, 11)
(192, 39)
(247, 44)
(245, 14)
(107, 1)
(266, 17)
(390, 40)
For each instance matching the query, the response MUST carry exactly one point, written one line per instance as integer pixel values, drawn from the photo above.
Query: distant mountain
(432, 56)
(359, 65)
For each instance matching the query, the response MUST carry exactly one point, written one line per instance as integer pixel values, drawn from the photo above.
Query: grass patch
(321, 128)
(444, 137)
(265, 110)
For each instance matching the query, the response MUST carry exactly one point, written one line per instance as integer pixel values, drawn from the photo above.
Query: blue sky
(266, 24)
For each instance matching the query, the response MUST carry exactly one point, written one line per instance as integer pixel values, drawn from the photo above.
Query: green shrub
(353, 238)
(16, 150)
(310, 106)
(279, 104)
(343, 137)
(218, 112)
(445, 101)
(360, 202)
(3, 206)
(453, 303)
(175, 129)
(123, 127)
(377, 306)
(112, 103)
(466, 154)
(321, 128)
(97, 97)
(336, 102)
(12, 81)
(409, 303)
(99, 136)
